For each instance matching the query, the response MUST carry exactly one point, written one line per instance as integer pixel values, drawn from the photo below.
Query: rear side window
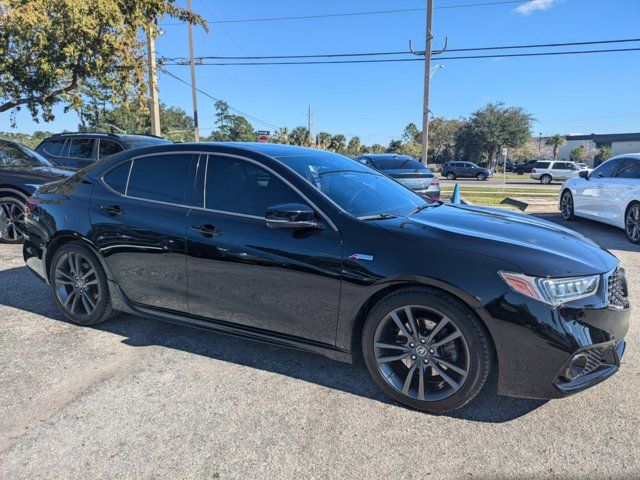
(117, 177)
(607, 169)
(161, 178)
(108, 147)
(81, 148)
(542, 165)
(53, 147)
(630, 169)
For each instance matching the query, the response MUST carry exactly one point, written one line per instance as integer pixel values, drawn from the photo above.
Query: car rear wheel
(545, 179)
(566, 206)
(481, 176)
(520, 171)
(632, 223)
(451, 176)
(11, 220)
(79, 285)
(426, 349)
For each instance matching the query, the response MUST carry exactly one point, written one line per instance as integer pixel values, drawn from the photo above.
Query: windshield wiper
(422, 207)
(379, 216)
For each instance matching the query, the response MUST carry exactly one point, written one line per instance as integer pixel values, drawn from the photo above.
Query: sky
(597, 93)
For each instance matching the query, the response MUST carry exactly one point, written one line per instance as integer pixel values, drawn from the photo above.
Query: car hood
(538, 247)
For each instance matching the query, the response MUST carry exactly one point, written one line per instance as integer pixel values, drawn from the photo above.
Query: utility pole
(192, 63)
(153, 82)
(309, 123)
(427, 81)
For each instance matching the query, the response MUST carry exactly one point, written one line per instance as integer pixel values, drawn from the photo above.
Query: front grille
(617, 289)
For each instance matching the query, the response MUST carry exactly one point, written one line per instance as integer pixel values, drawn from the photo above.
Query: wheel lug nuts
(432, 350)
(422, 340)
(412, 344)
(426, 360)
(413, 357)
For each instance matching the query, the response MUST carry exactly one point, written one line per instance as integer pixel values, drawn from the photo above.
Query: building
(618, 142)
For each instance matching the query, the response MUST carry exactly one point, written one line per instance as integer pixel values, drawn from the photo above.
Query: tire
(632, 222)
(469, 356)
(481, 176)
(11, 219)
(567, 206)
(451, 176)
(520, 171)
(83, 301)
(545, 179)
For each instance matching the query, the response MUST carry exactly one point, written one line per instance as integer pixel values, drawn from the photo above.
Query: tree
(577, 154)
(530, 150)
(412, 134)
(394, 146)
(443, 135)
(604, 153)
(240, 130)
(376, 148)
(31, 141)
(323, 140)
(354, 148)
(555, 141)
(493, 127)
(300, 136)
(86, 45)
(338, 143)
(281, 135)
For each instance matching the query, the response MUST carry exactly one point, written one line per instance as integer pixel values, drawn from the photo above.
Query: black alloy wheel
(11, 220)
(426, 349)
(632, 223)
(80, 286)
(566, 206)
(481, 176)
(451, 176)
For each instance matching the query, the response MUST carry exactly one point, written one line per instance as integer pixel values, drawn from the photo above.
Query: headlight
(553, 291)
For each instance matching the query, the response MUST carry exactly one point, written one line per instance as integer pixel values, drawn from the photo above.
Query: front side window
(162, 178)
(630, 169)
(81, 148)
(237, 186)
(17, 156)
(108, 147)
(117, 177)
(357, 189)
(607, 169)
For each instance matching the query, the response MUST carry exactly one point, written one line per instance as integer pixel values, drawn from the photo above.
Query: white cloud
(534, 5)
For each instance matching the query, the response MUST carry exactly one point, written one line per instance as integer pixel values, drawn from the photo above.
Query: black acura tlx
(309, 249)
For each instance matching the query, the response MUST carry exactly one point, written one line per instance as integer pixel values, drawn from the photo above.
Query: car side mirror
(292, 215)
(584, 174)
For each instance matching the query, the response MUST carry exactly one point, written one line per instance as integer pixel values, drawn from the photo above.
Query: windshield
(15, 154)
(356, 188)
(400, 163)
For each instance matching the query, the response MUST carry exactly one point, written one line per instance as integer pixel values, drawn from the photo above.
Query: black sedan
(22, 171)
(311, 250)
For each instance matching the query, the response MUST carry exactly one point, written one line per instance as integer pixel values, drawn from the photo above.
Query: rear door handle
(112, 210)
(206, 230)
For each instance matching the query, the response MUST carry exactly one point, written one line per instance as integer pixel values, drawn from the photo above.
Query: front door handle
(112, 210)
(206, 230)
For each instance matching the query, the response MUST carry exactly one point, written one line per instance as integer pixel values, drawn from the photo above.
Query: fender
(14, 191)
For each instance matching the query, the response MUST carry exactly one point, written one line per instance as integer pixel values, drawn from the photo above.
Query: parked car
(453, 170)
(582, 165)
(609, 194)
(524, 167)
(549, 171)
(22, 171)
(77, 150)
(309, 249)
(406, 170)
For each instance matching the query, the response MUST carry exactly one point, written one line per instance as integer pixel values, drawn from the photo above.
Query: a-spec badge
(361, 256)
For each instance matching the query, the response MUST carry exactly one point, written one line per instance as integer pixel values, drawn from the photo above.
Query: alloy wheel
(451, 176)
(546, 179)
(632, 223)
(566, 206)
(11, 220)
(76, 284)
(421, 353)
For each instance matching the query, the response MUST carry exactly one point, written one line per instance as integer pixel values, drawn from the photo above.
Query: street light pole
(153, 81)
(427, 81)
(192, 63)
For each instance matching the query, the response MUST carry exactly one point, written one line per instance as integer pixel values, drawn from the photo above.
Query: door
(241, 271)
(108, 147)
(588, 193)
(616, 192)
(139, 219)
(78, 153)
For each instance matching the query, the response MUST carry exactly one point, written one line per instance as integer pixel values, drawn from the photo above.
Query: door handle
(112, 210)
(206, 230)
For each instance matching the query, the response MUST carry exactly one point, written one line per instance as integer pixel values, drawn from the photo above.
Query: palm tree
(281, 136)
(339, 143)
(323, 140)
(555, 141)
(300, 136)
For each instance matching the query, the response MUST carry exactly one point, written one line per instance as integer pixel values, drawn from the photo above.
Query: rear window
(542, 164)
(117, 178)
(161, 178)
(397, 164)
(630, 169)
(81, 148)
(108, 147)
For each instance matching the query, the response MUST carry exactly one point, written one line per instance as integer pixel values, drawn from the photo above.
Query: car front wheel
(545, 179)
(632, 223)
(11, 220)
(566, 206)
(481, 176)
(451, 176)
(426, 349)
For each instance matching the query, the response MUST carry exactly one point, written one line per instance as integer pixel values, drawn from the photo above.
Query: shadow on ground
(34, 296)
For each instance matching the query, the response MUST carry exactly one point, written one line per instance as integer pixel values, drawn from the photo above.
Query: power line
(398, 60)
(354, 14)
(406, 52)
(256, 119)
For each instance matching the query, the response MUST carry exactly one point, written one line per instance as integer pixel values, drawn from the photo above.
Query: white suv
(547, 172)
(609, 194)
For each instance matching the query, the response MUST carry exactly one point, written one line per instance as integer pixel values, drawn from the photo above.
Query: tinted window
(238, 186)
(146, 142)
(53, 147)
(562, 166)
(162, 178)
(18, 156)
(107, 147)
(542, 165)
(397, 164)
(81, 148)
(117, 178)
(630, 169)
(607, 169)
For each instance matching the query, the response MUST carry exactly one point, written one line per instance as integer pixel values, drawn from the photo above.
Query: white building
(619, 142)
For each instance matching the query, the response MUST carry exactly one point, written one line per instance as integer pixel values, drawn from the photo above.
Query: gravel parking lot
(137, 398)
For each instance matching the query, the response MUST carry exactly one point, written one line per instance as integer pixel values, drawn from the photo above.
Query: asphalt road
(137, 398)
(497, 182)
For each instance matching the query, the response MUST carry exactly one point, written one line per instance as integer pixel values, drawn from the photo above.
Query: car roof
(122, 136)
(385, 156)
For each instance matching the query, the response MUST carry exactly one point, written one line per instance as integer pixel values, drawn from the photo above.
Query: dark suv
(524, 167)
(76, 150)
(453, 170)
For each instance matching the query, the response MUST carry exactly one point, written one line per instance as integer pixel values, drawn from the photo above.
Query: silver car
(406, 170)
(549, 171)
